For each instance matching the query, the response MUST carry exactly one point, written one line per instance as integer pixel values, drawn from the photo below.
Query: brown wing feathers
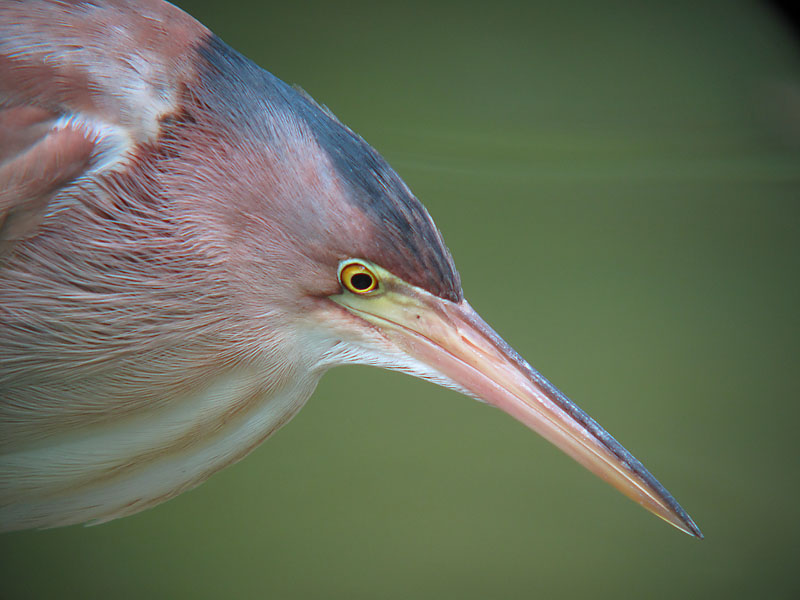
(66, 83)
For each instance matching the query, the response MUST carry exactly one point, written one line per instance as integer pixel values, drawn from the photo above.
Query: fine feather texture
(174, 223)
(409, 242)
(160, 194)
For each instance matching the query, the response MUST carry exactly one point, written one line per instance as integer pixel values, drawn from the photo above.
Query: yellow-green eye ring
(358, 279)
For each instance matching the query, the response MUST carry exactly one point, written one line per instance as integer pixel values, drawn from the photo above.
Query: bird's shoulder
(81, 85)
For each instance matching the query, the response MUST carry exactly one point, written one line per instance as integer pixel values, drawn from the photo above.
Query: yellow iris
(357, 278)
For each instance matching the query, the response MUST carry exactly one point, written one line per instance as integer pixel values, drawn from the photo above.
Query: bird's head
(317, 223)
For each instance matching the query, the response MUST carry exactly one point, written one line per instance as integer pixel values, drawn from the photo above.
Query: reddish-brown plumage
(175, 225)
(168, 212)
(94, 56)
(65, 59)
(30, 178)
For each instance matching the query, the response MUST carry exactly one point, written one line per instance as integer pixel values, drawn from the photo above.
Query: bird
(187, 244)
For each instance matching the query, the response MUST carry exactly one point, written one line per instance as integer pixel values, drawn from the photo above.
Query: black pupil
(361, 281)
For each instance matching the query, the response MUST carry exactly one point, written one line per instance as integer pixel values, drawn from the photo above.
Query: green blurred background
(619, 183)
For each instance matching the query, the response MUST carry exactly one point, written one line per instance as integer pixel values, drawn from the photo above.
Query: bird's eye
(358, 279)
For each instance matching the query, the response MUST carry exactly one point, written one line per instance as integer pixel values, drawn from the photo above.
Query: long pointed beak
(453, 340)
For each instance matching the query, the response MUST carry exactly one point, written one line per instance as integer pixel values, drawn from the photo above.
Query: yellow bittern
(186, 245)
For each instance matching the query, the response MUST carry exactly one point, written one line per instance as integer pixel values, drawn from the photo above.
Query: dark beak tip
(694, 530)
